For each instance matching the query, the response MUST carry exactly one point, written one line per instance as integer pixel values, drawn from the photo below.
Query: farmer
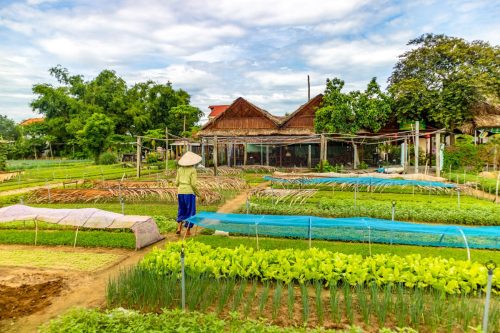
(186, 189)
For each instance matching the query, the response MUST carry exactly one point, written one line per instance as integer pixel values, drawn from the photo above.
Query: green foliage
(96, 134)
(152, 157)
(132, 111)
(327, 167)
(8, 129)
(441, 78)
(450, 276)
(351, 112)
(3, 157)
(464, 154)
(107, 158)
(121, 320)
(67, 237)
(183, 117)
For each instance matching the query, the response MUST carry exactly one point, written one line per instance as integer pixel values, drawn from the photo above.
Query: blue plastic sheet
(359, 229)
(362, 181)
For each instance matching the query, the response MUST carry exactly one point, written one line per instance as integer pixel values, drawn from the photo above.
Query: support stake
(183, 281)
(490, 265)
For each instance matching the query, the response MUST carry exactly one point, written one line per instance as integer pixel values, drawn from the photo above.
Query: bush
(108, 158)
(152, 158)
(464, 154)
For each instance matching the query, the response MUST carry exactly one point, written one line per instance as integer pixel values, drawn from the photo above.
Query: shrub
(108, 158)
(464, 154)
(152, 158)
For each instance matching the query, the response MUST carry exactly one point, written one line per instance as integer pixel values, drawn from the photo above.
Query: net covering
(145, 229)
(359, 229)
(361, 181)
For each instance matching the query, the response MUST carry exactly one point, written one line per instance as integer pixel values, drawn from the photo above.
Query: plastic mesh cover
(360, 229)
(364, 181)
(145, 229)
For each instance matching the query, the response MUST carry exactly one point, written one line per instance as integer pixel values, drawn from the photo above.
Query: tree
(442, 78)
(350, 112)
(96, 134)
(8, 129)
(183, 118)
(69, 105)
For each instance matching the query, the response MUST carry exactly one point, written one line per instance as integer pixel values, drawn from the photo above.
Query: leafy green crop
(451, 276)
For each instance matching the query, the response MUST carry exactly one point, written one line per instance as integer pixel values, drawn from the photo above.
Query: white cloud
(220, 53)
(362, 53)
(182, 76)
(278, 12)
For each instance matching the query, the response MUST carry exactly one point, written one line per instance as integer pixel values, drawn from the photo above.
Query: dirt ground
(30, 296)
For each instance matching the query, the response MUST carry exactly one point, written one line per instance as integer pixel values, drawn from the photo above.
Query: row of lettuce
(307, 266)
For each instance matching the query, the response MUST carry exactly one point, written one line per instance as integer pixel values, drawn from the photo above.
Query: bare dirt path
(236, 202)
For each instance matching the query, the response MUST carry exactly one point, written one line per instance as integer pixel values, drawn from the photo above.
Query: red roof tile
(30, 121)
(217, 110)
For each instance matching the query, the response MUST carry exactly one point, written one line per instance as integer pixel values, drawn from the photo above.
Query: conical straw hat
(189, 159)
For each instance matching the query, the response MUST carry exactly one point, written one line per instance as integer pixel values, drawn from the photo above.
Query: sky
(261, 50)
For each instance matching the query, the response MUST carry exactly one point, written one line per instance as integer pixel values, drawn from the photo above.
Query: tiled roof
(30, 121)
(217, 110)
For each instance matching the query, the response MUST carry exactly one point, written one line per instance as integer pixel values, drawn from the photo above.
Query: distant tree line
(438, 81)
(84, 118)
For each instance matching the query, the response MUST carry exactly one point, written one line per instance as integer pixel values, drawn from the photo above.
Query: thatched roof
(485, 115)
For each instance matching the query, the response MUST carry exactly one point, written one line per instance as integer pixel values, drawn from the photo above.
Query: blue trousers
(187, 208)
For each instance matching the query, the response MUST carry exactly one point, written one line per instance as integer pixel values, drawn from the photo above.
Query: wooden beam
(267, 155)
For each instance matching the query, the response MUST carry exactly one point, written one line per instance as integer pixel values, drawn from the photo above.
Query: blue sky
(220, 50)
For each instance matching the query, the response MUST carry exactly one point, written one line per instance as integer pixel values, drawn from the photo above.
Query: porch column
(245, 149)
(321, 151)
(203, 161)
(309, 156)
(267, 155)
(215, 152)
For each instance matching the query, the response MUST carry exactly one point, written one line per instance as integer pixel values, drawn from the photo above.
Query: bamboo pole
(245, 154)
(166, 150)
(309, 155)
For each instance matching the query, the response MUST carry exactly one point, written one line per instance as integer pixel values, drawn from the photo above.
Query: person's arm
(177, 178)
(193, 181)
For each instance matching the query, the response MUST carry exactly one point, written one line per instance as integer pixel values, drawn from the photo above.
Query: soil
(33, 292)
(54, 292)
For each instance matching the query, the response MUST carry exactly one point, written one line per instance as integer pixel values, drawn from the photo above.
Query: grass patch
(349, 248)
(67, 237)
(56, 259)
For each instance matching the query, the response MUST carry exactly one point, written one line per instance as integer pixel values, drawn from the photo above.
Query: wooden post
(234, 154)
(438, 154)
(321, 151)
(325, 152)
(203, 158)
(308, 89)
(267, 155)
(281, 157)
(417, 136)
(261, 154)
(215, 155)
(166, 149)
(245, 149)
(495, 158)
(138, 158)
(228, 154)
(356, 158)
(309, 155)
